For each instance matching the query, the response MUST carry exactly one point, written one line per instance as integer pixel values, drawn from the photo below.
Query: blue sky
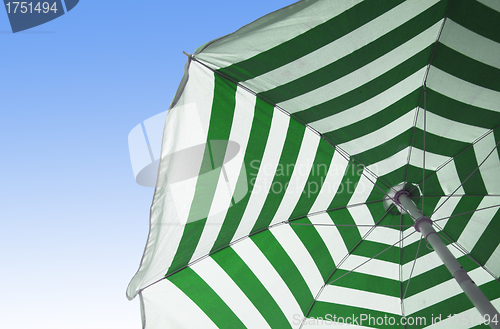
(73, 221)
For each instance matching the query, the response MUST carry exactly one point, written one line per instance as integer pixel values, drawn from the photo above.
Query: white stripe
(471, 44)
(478, 223)
(300, 256)
(330, 235)
(331, 183)
(447, 128)
(490, 168)
(361, 299)
(462, 90)
(371, 106)
(167, 214)
(442, 291)
(374, 267)
(166, 306)
(265, 176)
(230, 293)
(345, 45)
(270, 279)
(300, 175)
(269, 31)
(380, 136)
(240, 132)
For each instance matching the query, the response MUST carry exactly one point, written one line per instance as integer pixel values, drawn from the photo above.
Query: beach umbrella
(328, 164)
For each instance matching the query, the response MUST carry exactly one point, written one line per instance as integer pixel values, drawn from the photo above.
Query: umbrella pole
(423, 225)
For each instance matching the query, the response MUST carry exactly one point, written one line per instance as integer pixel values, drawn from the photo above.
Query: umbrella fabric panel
(186, 126)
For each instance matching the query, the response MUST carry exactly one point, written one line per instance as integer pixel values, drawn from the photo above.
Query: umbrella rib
(461, 184)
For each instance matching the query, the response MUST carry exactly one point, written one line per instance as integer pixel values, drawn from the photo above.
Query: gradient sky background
(73, 221)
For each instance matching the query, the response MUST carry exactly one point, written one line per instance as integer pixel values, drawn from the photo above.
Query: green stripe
(368, 90)
(221, 119)
(246, 280)
(285, 267)
(477, 18)
(309, 41)
(359, 57)
(207, 300)
(282, 176)
(256, 146)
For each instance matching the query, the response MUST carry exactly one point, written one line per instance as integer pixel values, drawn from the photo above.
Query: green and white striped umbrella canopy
(283, 146)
